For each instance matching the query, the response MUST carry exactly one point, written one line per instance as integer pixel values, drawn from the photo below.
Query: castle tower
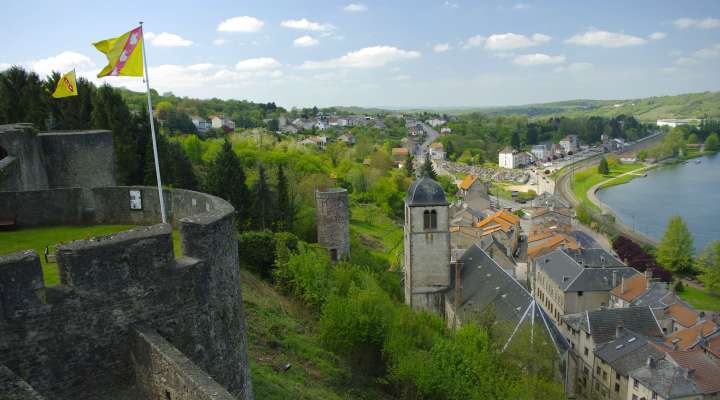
(333, 222)
(427, 246)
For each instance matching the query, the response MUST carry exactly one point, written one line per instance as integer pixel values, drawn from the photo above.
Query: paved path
(430, 136)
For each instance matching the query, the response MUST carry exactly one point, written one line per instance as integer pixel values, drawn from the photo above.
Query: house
(222, 123)
(692, 337)
(463, 215)
(347, 138)
(569, 143)
(564, 284)
(320, 125)
(511, 158)
(540, 152)
(201, 123)
(551, 216)
(437, 151)
(615, 360)
(663, 380)
(543, 242)
(399, 153)
(445, 130)
(702, 368)
(435, 122)
(474, 193)
(317, 141)
(628, 160)
(289, 129)
(587, 330)
(504, 227)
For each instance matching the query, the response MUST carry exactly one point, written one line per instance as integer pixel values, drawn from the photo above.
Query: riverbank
(589, 178)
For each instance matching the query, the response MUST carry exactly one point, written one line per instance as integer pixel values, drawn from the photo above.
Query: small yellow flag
(66, 86)
(124, 54)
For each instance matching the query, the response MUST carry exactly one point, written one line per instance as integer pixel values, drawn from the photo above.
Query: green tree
(675, 251)
(73, 112)
(409, 171)
(23, 98)
(708, 263)
(515, 140)
(286, 209)
(262, 202)
(693, 138)
(712, 143)
(427, 168)
(603, 167)
(226, 179)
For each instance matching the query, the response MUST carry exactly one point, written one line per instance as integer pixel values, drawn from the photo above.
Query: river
(691, 190)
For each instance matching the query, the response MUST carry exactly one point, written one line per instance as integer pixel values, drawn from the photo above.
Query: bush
(257, 250)
(679, 288)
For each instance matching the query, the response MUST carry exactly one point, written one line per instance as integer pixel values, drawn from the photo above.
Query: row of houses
(214, 121)
(513, 158)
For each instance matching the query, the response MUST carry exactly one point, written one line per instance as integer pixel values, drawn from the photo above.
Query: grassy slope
(377, 232)
(701, 299)
(589, 177)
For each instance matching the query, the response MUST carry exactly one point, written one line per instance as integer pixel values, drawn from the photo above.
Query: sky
(422, 53)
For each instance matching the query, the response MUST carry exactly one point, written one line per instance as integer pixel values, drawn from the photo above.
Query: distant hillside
(698, 105)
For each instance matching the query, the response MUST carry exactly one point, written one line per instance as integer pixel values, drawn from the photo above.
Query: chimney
(619, 330)
(648, 278)
(622, 284)
(650, 362)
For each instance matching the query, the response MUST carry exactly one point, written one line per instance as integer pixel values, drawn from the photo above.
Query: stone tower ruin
(333, 222)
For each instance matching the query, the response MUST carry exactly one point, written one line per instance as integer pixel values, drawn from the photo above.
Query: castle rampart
(76, 340)
(333, 222)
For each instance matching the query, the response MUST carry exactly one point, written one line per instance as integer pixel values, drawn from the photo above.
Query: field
(701, 299)
(38, 238)
(587, 178)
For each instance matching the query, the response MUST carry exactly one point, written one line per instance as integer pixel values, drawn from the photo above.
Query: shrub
(257, 250)
(679, 288)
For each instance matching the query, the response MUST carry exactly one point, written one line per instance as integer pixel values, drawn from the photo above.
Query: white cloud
(355, 7)
(475, 41)
(4, 66)
(241, 24)
(605, 39)
(441, 47)
(201, 67)
(520, 6)
(705, 23)
(538, 59)
(708, 52)
(62, 62)
(368, 57)
(450, 4)
(307, 25)
(657, 36)
(165, 39)
(219, 41)
(574, 67)
(305, 41)
(685, 61)
(510, 41)
(257, 64)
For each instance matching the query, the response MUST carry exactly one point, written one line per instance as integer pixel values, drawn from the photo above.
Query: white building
(511, 158)
(445, 130)
(435, 122)
(437, 151)
(222, 122)
(201, 123)
(540, 152)
(677, 122)
(570, 143)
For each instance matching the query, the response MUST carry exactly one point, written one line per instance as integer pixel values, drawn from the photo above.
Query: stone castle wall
(74, 340)
(55, 159)
(333, 221)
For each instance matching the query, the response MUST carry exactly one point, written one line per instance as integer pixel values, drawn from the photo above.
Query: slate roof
(628, 352)
(594, 258)
(658, 296)
(559, 267)
(667, 380)
(425, 192)
(598, 279)
(706, 370)
(485, 283)
(601, 324)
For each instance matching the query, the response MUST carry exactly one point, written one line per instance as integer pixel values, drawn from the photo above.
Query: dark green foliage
(285, 208)
(73, 112)
(679, 286)
(176, 170)
(603, 167)
(427, 168)
(23, 98)
(712, 143)
(226, 179)
(256, 250)
(263, 202)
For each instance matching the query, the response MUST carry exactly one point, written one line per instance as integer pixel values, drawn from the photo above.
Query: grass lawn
(37, 238)
(701, 299)
(382, 236)
(501, 190)
(589, 177)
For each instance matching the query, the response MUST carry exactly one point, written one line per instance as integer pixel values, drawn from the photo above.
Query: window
(333, 254)
(580, 293)
(617, 376)
(586, 372)
(617, 387)
(635, 383)
(605, 375)
(587, 351)
(3, 153)
(597, 370)
(429, 219)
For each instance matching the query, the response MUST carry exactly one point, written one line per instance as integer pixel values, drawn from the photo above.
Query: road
(430, 136)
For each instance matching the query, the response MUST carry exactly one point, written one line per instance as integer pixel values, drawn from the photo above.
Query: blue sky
(385, 53)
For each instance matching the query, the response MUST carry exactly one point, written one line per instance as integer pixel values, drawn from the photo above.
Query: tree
(693, 138)
(226, 179)
(427, 168)
(262, 202)
(409, 164)
(286, 209)
(712, 143)
(675, 251)
(515, 140)
(73, 112)
(603, 167)
(709, 265)
(23, 98)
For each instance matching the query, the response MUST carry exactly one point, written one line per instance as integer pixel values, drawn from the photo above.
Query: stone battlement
(74, 340)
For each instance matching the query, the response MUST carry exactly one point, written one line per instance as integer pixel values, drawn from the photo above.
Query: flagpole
(152, 129)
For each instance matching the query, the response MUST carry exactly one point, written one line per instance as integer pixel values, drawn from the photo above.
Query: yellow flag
(66, 86)
(124, 54)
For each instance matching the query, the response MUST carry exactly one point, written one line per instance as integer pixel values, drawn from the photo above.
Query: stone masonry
(333, 222)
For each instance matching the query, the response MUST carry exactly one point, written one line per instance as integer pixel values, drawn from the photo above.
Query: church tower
(427, 246)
